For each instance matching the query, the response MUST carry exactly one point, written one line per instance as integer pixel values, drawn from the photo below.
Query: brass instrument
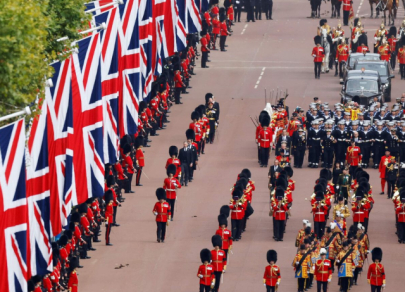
(319, 203)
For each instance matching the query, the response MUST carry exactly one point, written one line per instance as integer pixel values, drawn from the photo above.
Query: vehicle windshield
(380, 68)
(362, 87)
(362, 58)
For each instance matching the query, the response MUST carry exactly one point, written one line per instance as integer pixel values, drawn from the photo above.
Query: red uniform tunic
(230, 13)
(279, 212)
(85, 224)
(109, 211)
(353, 155)
(323, 270)
(73, 282)
(293, 126)
(383, 165)
(207, 271)
(318, 53)
(216, 26)
(140, 158)
(177, 80)
(320, 213)
(224, 29)
(217, 257)
(207, 18)
(196, 127)
(359, 209)
(272, 275)
(362, 49)
(47, 284)
(291, 185)
(346, 5)
(163, 210)
(385, 52)
(265, 137)
(258, 129)
(376, 274)
(401, 56)
(342, 53)
(400, 211)
(120, 171)
(128, 163)
(204, 45)
(185, 69)
(176, 162)
(171, 185)
(226, 236)
(393, 44)
(238, 211)
(215, 10)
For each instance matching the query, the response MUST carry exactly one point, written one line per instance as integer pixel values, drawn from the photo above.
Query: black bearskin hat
(322, 22)
(317, 40)
(225, 210)
(36, 279)
(190, 134)
(75, 217)
(365, 175)
(108, 196)
(173, 151)
(289, 171)
(319, 196)
(271, 256)
(263, 114)
(247, 173)
(376, 254)
(265, 121)
(139, 141)
(356, 20)
(216, 241)
(237, 192)
(213, 2)
(171, 169)
(161, 194)
(360, 193)
(74, 263)
(324, 173)
(362, 39)
(83, 208)
(63, 240)
(208, 96)
(110, 181)
(279, 192)
(319, 188)
(126, 149)
(205, 255)
(195, 116)
(357, 172)
(142, 106)
(31, 286)
(282, 183)
(68, 233)
(242, 182)
(222, 220)
(307, 230)
(392, 31)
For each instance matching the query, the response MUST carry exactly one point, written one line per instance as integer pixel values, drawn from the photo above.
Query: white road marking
(255, 86)
(260, 77)
(358, 9)
(243, 31)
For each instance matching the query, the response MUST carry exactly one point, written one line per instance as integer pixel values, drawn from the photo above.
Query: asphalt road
(262, 55)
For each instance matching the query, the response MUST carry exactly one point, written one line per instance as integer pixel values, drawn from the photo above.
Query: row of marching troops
(214, 262)
(182, 163)
(322, 248)
(332, 45)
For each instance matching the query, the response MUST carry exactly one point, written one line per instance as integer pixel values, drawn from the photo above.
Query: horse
(377, 12)
(336, 8)
(316, 8)
(385, 5)
(326, 44)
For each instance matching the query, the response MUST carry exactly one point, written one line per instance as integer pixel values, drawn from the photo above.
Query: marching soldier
(302, 265)
(365, 148)
(171, 185)
(391, 172)
(226, 236)
(376, 272)
(360, 207)
(212, 116)
(384, 50)
(279, 207)
(400, 215)
(323, 271)
(380, 34)
(343, 184)
(140, 159)
(206, 271)
(342, 54)
(162, 211)
(331, 243)
(353, 157)
(271, 277)
(346, 265)
(401, 58)
(299, 147)
(109, 213)
(346, 11)
(383, 169)
(392, 42)
(217, 255)
(264, 140)
(320, 211)
(301, 233)
(238, 206)
(318, 53)
(174, 152)
(363, 48)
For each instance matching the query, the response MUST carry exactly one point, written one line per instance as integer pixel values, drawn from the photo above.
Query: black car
(353, 57)
(362, 88)
(384, 70)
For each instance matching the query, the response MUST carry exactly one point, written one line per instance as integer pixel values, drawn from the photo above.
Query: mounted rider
(378, 36)
(324, 31)
(384, 50)
(401, 30)
(362, 44)
(357, 31)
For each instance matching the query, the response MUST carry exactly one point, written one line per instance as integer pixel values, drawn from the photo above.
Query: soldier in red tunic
(279, 207)
(171, 184)
(264, 139)
(109, 214)
(342, 53)
(140, 159)
(226, 236)
(73, 279)
(360, 206)
(382, 168)
(376, 272)
(174, 152)
(218, 256)
(401, 57)
(163, 213)
(323, 272)
(272, 276)
(206, 271)
(384, 51)
(353, 157)
(318, 53)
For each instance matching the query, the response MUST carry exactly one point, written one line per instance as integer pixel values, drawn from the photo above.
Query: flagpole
(105, 6)
(25, 111)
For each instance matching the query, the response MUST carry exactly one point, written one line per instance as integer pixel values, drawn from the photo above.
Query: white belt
(265, 140)
(316, 138)
(341, 139)
(170, 190)
(358, 212)
(236, 210)
(401, 213)
(346, 4)
(319, 213)
(378, 140)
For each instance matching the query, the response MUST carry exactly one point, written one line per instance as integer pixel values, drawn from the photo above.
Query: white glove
(296, 263)
(383, 285)
(337, 261)
(277, 283)
(264, 284)
(375, 38)
(313, 268)
(201, 276)
(155, 213)
(314, 56)
(329, 280)
(240, 204)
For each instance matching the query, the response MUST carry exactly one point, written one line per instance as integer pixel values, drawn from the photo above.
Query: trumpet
(319, 203)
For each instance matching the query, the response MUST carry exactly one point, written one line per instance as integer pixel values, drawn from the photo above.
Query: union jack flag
(88, 165)
(13, 209)
(147, 46)
(58, 100)
(110, 82)
(190, 15)
(99, 4)
(181, 33)
(38, 196)
(129, 68)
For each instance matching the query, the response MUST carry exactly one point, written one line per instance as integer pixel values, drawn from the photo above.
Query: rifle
(253, 121)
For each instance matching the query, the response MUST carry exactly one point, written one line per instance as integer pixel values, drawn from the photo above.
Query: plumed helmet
(279, 192)
(319, 196)
(247, 172)
(263, 114)
(75, 217)
(237, 192)
(142, 106)
(205, 255)
(289, 171)
(356, 21)
(265, 121)
(171, 169)
(173, 151)
(208, 96)
(222, 220)
(126, 148)
(139, 141)
(271, 256)
(225, 210)
(322, 22)
(110, 181)
(63, 240)
(317, 40)
(393, 31)
(216, 240)
(74, 263)
(83, 208)
(322, 251)
(190, 134)
(376, 254)
(161, 194)
(108, 196)
(195, 116)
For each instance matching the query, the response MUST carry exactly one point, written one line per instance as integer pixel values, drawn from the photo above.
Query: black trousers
(340, 70)
(205, 288)
(217, 280)
(346, 17)
(107, 233)
(128, 182)
(375, 288)
(317, 68)
(328, 157)
(138, 175)
(161, 230)
(319, 228)
(177, 91)
(378, 152)
(321, 286)
(250, 14)
(204, 59)
(238, 12)
(269, 9)
(401, 230)
(114, 214)
(402, 70)
(315, 153)
(211, 136)
(264, 156)
(365, 224)
(258, 12)
(236, 228)
(391, 186)
(301, 284)
(171, 203)
(338, 6)
(279, 228)
(299, 156)
(366, 151)
(185, 173)
(393, 59)
(356, 275)
(270, 288)
(222, 40)
(344, 284)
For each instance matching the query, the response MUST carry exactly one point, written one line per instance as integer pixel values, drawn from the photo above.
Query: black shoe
(139, 185)
(205, 67)
(87, 257)
(209, 61)
(186, 185)
(115, 224)
(271, 18)
(80, 267)
(163, 241)
(190, 86)
(97, 240)
(156, 135)
(182, 184)
(223, 50)
(180, 102)
(236, 239)
(109, 244)
(92, 248)
(147, 146)
(186, 92)
(202, 152)
(158, 240)
(131, 192)
(382, 193)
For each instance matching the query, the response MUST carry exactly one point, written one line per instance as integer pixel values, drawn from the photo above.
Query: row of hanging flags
(90, 103)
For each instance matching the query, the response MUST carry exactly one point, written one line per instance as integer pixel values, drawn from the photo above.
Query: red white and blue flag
(190, 15)
(13, 209)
